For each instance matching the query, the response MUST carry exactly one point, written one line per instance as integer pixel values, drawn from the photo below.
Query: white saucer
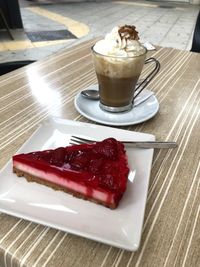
(91, 110)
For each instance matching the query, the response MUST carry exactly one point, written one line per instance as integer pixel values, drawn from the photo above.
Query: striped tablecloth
(171, 229)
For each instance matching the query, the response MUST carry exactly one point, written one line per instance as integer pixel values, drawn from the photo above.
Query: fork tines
(80, 140)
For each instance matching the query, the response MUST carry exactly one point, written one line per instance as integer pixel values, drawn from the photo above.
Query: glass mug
(118, 77)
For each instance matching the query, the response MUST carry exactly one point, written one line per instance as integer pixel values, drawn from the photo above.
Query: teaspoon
(90, 94)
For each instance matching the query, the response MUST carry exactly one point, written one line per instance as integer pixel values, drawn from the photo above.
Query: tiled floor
(161, 23)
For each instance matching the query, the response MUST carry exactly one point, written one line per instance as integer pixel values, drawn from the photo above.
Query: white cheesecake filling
(66, 183)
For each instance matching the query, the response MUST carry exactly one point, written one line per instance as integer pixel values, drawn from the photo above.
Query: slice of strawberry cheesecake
(96, 172)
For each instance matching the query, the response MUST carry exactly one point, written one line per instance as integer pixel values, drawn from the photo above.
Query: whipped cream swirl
(120, 42)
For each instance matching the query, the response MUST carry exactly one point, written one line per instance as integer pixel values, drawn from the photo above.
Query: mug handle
(149, 77)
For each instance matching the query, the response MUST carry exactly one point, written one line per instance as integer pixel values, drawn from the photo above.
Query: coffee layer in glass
(117, 78)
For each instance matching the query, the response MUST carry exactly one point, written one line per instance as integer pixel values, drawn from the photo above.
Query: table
(171, 229)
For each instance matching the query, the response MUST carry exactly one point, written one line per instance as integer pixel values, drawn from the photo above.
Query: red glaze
(102, 165)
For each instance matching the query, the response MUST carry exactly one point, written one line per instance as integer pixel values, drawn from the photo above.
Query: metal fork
(138, 144)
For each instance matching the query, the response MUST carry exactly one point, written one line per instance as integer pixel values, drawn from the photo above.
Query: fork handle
(151, 144)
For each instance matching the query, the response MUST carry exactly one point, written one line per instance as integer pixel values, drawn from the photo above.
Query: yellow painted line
(134, 4)
(77, 28)
(2, 47)
(15, 45)
(46, 43)
(23, 45)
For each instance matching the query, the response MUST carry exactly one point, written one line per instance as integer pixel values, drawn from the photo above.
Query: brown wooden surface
(171, 230)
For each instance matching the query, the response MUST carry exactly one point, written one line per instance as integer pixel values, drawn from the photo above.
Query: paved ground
(161, 23)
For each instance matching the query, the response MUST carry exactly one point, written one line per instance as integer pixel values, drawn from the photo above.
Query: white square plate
(59, 210)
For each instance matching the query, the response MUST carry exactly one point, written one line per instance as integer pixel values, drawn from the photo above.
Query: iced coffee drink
(118, 61)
